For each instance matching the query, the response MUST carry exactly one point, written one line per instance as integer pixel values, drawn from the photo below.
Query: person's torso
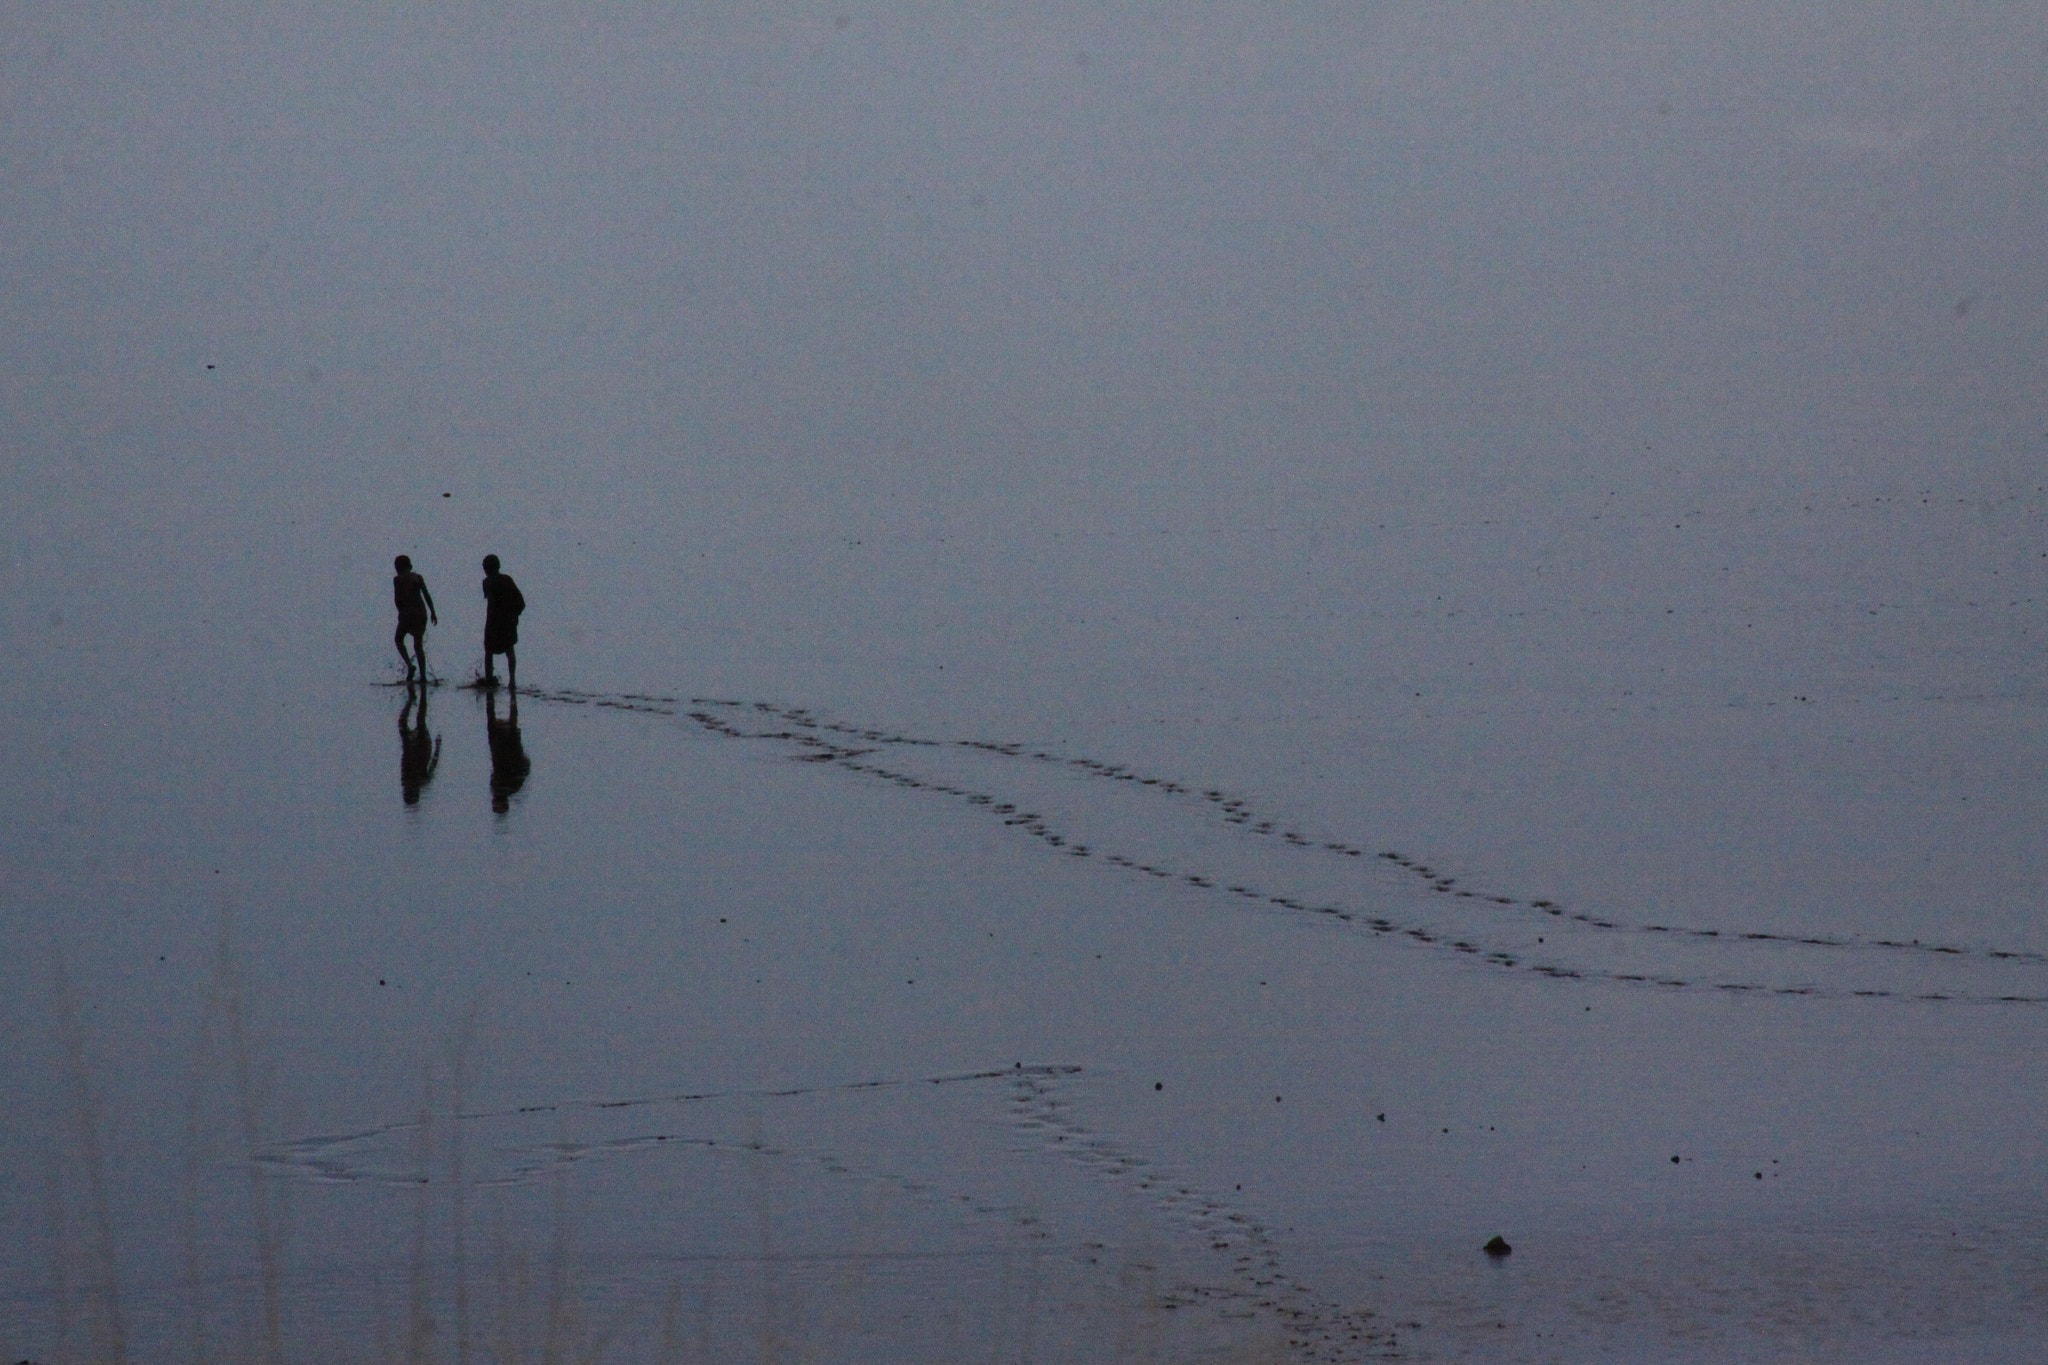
(502, 597)
(408, 590)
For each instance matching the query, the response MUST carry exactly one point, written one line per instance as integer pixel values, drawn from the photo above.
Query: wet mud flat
(792, 1036)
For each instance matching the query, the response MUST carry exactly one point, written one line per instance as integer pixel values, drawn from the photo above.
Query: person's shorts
(500, 636)
(412, 625)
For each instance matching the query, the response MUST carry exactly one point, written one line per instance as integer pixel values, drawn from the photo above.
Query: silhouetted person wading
(502, 605)
(415, 606)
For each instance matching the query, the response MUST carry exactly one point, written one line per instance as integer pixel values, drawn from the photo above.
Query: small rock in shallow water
(1497, 1247)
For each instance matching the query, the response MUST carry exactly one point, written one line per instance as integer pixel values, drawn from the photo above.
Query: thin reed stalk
(103, 1291)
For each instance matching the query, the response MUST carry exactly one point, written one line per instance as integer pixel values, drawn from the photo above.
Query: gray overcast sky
(982, 266)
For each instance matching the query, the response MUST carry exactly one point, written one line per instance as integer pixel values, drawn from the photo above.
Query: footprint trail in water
(1228, 1270)
(1217, 843)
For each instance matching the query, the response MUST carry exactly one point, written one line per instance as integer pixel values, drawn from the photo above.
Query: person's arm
(433, 615)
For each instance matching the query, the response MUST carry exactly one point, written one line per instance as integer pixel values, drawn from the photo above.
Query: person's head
(403, 563)
(490, 563)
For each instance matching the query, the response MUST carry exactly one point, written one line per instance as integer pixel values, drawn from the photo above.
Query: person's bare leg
(512, 668)
(398, 638)
(419, 647)
(490, 669)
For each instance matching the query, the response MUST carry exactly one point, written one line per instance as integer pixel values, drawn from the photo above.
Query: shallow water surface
(767, 1028)
(1181, 661)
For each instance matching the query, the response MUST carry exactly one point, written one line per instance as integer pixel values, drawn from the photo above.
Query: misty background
(776, 332)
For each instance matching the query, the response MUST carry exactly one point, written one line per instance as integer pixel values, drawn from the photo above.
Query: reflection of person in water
(502, 605)
(415, 605)
(509, 763)
(419, 752)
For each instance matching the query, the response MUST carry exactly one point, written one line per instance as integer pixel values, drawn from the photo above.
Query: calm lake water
(1183, 660)
(899, 955)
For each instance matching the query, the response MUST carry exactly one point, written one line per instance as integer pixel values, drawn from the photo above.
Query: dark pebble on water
(1497, 1247)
